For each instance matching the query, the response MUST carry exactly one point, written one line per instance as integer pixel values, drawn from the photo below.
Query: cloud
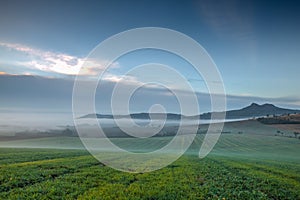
(54, 62)
(128, 81)
(118, 78)
(55, 95)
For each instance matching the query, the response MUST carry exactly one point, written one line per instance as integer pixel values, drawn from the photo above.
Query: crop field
(242, 166)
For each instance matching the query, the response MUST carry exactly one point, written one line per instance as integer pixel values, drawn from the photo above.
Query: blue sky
(255, 44)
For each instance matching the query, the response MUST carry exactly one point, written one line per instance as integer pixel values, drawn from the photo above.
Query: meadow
(241, 166)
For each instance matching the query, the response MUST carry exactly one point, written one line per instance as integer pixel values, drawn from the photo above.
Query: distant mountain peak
(255, 110)
(268, 104)
(255, 105)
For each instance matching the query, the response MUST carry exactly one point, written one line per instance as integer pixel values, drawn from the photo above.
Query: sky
(43, 44)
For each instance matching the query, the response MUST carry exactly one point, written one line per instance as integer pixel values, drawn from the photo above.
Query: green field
(241, 166)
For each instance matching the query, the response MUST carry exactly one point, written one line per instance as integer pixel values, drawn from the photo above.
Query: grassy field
(241, 166)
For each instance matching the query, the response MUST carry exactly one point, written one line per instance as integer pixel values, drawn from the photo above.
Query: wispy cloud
(118, 78)
(40, 93)
(225, 17)
(61, 63)
(49, 64)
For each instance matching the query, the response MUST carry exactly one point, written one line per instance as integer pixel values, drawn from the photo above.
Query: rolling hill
(253, 110)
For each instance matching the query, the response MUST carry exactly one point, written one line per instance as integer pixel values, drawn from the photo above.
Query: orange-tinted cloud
(60, 63)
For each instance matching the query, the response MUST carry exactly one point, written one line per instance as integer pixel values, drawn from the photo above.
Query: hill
(146, 116)
(253, 110)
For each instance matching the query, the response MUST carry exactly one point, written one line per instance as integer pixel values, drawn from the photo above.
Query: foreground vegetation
(240, 167)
